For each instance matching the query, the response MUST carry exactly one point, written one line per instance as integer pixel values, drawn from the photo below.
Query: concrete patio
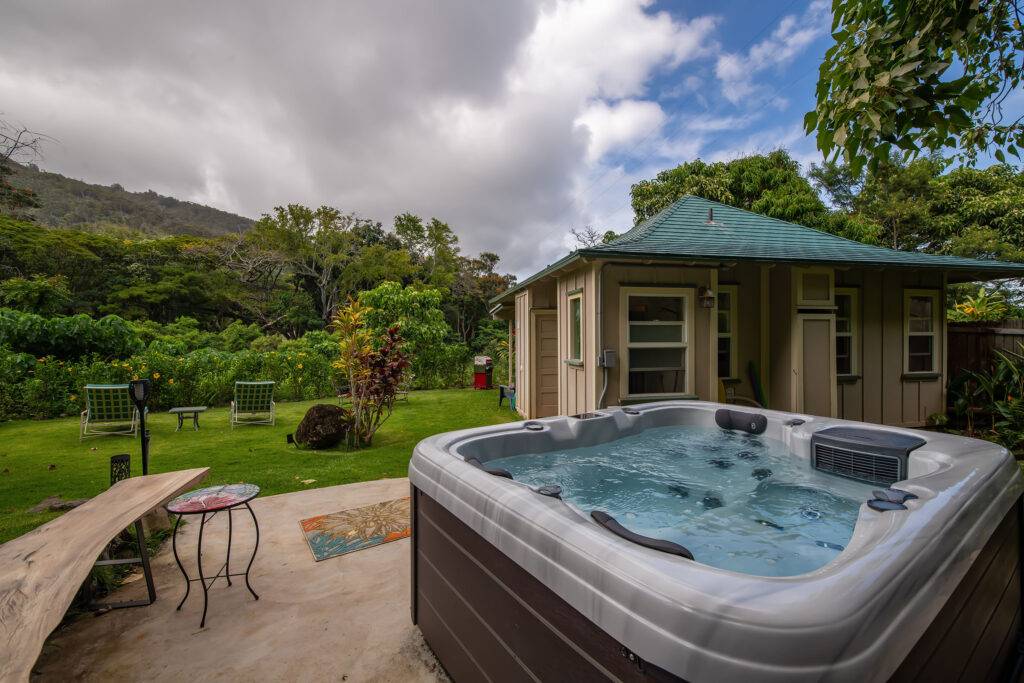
(346, 618)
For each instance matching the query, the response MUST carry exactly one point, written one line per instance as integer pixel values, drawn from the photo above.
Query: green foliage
(769, 184)
(67, 336)
(991, 403)
(37, 294)
(418, 316)
(48, 386)
(913, 76)
(986, 305)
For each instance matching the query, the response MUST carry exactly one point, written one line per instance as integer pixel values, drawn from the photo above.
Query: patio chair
(108, 410)
(253, 404)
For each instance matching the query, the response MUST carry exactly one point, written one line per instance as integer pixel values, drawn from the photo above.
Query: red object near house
(483, 369)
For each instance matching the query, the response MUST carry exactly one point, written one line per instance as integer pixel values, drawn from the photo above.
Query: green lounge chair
(108, 410)
(253, 404)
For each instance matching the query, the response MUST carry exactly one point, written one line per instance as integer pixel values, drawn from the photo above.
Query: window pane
(920, 325)
(842, 326)
(843, 305)
(672, 332)
(576, 332)
(920, 353)
(657, 382)
(660, 359)
(921, 307)
(724, 322)
(725, 357)
(655, 308)
(844, 360)
(724, 301)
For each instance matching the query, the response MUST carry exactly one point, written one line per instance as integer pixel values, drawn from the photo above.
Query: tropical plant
(374, 375)
(986, 305)
(991, 402)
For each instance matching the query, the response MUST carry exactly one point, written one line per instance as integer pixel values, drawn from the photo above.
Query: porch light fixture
(706, 297)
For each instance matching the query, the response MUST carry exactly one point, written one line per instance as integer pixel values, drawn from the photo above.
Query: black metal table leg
(195, 421)
(180, 421)
(227, 563)
(255, 548)
(174, 547)
(202, 578)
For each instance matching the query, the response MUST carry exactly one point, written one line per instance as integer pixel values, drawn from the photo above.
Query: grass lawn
(45, 458)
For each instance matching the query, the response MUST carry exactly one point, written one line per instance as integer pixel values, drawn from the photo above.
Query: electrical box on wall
(607, 358)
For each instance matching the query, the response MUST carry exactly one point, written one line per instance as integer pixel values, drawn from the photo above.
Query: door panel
(546, 364)
(816, 365)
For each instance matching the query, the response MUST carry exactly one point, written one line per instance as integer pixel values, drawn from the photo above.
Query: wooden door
(545, 363)
(815, 364)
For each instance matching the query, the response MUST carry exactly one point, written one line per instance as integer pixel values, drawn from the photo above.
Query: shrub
(68, 337)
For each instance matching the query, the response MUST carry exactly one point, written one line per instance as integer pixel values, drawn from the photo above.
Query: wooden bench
(41, 571)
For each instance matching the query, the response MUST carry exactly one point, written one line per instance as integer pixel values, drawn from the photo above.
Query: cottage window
(921, 328)
(656, 335)
(814, 287)
(576, 328)
(727, 342)
(847, 331)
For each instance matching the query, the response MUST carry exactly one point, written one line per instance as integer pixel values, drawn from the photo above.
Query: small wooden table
(188, 410)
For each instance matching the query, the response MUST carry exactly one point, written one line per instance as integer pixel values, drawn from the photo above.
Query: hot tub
(689, 540)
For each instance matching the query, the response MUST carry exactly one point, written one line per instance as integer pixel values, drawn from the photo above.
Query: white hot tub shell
(858, 618)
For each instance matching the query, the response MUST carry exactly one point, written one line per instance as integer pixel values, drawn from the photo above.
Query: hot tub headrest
(752, 423)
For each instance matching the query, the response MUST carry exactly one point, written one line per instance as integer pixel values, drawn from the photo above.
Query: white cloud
(613, 126)
(791, 37)
(491, 116)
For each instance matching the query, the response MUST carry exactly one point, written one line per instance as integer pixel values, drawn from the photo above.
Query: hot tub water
(736, 501)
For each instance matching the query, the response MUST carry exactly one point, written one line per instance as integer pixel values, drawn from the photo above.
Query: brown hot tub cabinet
(487, 617)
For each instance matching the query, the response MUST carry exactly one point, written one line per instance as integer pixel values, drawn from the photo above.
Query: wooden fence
(971, 345)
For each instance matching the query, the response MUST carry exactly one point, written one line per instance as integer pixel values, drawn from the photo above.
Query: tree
(769, 184)
(919, 76)
(17, 144)
(315, 245)
(45, 296)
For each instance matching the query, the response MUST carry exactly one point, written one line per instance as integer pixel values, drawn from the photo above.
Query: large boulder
(323, 426)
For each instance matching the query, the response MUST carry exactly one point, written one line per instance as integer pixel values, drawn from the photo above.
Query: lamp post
(139, 391)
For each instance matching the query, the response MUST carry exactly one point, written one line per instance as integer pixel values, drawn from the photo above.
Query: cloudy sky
(512, 120)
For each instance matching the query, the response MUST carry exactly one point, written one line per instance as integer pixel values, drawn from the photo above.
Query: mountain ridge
(70, 203)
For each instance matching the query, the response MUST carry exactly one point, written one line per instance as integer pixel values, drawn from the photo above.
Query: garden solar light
(139, 391)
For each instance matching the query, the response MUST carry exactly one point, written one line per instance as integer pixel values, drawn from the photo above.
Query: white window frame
(575, 359)
(854, 333)
(935, 334)
(733, 334)
(798, 286)
(687, 294)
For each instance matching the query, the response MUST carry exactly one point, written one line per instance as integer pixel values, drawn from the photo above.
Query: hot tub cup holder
(533, 426)
(631, 411)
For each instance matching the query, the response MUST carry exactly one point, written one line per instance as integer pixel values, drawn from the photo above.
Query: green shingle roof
(682, 232)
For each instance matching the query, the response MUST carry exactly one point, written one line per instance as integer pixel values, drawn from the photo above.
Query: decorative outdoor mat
(349, 530)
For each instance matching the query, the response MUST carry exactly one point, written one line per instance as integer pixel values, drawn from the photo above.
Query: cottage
(709, 301)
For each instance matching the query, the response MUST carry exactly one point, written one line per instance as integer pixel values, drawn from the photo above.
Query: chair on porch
(253, 404)
(108, 410)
